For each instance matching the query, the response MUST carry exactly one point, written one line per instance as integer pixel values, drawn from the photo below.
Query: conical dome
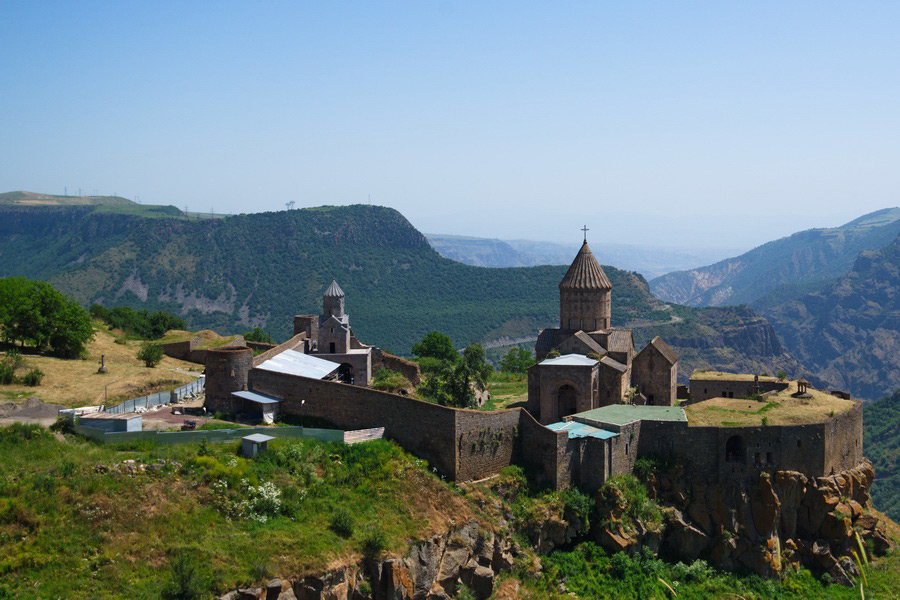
(335, 291)
(585, 273)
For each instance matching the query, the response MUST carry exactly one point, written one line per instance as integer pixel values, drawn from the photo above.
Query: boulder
(424, 558)
(684, 540)
(273, 589)
(396, 580)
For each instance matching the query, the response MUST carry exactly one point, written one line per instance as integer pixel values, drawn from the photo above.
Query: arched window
(735, 450)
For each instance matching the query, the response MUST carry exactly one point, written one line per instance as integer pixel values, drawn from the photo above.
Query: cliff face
(849, 332)
(780, 521)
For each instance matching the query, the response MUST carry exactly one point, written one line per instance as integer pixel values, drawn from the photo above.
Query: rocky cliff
(849, 333)
(781, 521)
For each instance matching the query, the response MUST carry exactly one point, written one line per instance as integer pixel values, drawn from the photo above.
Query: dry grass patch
(722, 376)
(77, 383)
(778, 409)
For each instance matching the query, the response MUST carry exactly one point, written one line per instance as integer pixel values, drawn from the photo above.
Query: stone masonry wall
(702, 389)
(486, 442)
(426, 430)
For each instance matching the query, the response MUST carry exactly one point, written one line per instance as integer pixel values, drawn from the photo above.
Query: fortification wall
(843, 440)
(733, 453)
(179, 350)
(426, 430)
(292, 344)
(486, 442)
(545, 450)
(226, 372)
(703, 389)
(407, 368)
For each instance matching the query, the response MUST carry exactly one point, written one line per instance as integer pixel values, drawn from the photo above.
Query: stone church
(587, 363)
(329, 337)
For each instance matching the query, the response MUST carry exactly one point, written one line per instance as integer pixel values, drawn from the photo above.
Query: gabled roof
(334, 290)
(588, 341)
(620, 340)
(613, 364)
(585, 273)
(663, 348)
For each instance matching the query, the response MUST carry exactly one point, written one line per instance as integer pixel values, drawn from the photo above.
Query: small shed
(253, 444)
(112, 422)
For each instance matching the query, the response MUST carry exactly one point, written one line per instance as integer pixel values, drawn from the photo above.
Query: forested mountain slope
(881, 444)
(807, 256)
(238, 272)
(848, 332)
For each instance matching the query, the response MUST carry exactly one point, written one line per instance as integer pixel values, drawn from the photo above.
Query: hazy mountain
(807, 256)
(649, 261)
(848, 332)
(237, 272)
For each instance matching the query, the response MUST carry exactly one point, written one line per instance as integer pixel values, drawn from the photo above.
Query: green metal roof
(620, 414)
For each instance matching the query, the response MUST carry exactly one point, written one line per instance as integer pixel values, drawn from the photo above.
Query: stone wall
(654, 377)
(588, 310)
(704, 389)
(843, 440)
(226, 372)
(295, 343)
(486, 442)
(407, 368)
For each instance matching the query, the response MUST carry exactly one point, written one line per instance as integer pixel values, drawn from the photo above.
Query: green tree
(34, 312)
(258, 335)
(151, 354)
(436, 345)
(454, 384)
(516, 360)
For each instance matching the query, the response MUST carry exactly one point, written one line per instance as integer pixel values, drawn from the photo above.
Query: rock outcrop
(780, 521)
(434, 569)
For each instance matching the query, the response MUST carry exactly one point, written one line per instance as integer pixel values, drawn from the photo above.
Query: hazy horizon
(657, 124)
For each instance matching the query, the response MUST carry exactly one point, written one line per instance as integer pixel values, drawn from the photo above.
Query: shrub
(342, 523)
(7, 373)
(151, 354)
(186, 581)
(258, 335)
(388, 380)
(374, 543)
(33, 377)
(782, 375)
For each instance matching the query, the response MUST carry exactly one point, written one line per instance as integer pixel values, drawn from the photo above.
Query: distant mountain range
(808, 256)
(649, 261)
(237, 272)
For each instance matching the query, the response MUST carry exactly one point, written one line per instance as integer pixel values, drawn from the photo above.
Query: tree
(34, 312)
(455, 383)
(258, 335)
(151, 354)
(516, 360)
(436, 345)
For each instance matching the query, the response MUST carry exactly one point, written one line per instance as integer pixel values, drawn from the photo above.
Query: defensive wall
(704, 389)
(188, 350)
(734, 453)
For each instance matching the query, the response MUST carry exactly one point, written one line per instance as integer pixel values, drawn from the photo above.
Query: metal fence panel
(159, 398)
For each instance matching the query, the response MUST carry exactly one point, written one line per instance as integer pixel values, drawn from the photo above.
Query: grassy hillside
(78, 522)
(807, 256)
(77, 383)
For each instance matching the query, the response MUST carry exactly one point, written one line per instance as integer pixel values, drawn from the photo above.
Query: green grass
(71, 524)
(589, 572)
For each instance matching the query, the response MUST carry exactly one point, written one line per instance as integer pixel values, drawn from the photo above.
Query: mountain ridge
(810, 255)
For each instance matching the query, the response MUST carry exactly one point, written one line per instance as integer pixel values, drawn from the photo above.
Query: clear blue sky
(683, 123)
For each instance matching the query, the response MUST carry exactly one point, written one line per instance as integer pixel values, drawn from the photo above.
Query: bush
(138, 323)
(185, 579)
(258, 335)
(374, 543)
(7, 373)
(33, 377)
(342, 523)
(151, 354)
(387, 380)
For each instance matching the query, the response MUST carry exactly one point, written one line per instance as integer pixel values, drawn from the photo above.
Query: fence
(194, 387)
(169, 438)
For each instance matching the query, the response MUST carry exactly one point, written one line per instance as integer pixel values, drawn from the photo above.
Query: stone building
(587, 363)
(329, 336)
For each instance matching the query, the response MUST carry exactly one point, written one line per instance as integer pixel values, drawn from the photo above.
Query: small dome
(334, 290)
(585, 273)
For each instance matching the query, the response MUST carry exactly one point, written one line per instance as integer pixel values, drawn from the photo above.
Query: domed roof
(334, 290)
(585, 273)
